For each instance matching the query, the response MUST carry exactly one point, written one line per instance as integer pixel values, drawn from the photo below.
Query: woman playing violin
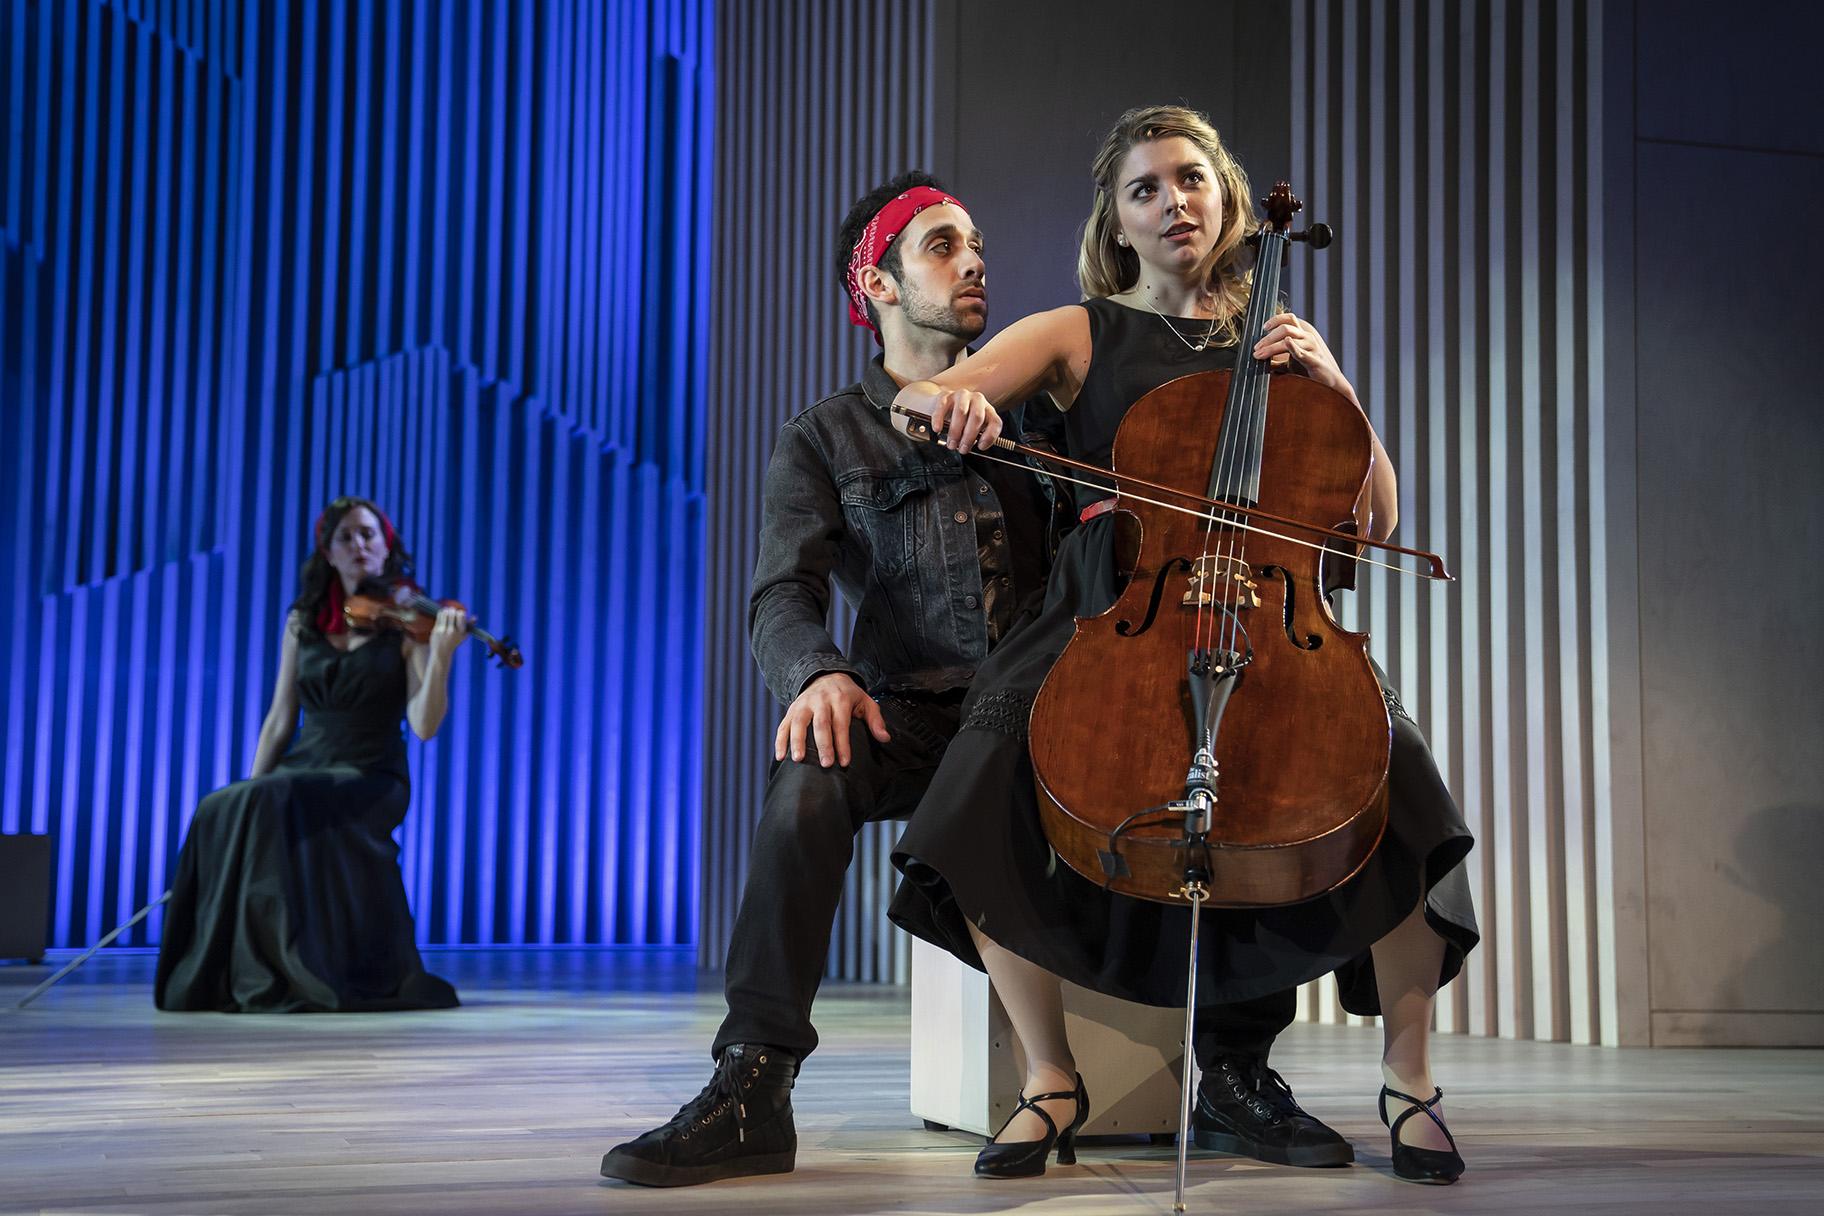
(1163, 268)
(288, 895)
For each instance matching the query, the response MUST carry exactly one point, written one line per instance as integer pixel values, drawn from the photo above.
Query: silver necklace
(1195, 347)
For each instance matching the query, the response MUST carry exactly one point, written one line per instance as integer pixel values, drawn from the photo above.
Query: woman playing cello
(1162, 267)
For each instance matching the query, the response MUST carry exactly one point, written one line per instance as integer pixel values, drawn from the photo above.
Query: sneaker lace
(1274, 1091)
(722, 1093)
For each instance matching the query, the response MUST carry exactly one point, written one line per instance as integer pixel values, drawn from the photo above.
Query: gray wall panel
(1721, 432)
(1721, 74)
(1005, 102)
(818, 101)
(1730, 450)
(1038, 85)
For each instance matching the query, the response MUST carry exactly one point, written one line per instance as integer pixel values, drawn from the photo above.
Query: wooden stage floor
(507, 1104)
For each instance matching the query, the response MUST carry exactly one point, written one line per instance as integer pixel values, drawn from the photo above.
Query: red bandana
(329, 616)
(887, 223)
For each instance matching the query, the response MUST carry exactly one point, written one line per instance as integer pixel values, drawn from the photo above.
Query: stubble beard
(925, 313)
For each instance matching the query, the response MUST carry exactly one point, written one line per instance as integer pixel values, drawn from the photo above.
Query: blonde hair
(1105, 268)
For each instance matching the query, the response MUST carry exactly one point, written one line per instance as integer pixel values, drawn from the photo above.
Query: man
(935, 549)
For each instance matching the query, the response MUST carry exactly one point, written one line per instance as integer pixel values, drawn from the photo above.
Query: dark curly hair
(866, 208)
(314, 578)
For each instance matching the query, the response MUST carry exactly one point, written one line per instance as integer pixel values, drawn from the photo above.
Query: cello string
(1207, 623)
(1204, 619)
(1259, 396)
(1232, 475)
(1248, 370)
(1229, 477)
(1228, 486)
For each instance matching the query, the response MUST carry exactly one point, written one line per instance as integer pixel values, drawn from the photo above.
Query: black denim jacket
(889, 521)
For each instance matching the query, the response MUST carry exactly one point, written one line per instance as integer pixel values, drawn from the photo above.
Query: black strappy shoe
(1429, 1165)
(1026, 1158)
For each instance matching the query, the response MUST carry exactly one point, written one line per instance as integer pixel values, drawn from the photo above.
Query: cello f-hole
(1308, 641)
(1125, 627)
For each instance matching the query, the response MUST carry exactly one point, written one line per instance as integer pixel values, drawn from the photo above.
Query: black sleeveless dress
(288, 896)
(975, 850)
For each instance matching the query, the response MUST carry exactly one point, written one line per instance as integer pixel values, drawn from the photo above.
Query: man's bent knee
(805, 801)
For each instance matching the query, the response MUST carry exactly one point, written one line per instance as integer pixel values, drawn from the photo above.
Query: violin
(1217, 736)
(415, 614)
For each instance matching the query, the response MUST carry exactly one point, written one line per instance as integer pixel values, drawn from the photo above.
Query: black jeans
(1246, 1028)
(801, 853)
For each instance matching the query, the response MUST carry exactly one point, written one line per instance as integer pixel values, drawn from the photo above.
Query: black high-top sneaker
(740, 1124)
(1245, 1107)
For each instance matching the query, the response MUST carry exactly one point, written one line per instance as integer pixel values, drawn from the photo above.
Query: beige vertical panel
(1615, 830)
(817, 102)
(1453, 146)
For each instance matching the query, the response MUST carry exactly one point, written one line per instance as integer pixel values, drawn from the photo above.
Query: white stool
(965, 1073)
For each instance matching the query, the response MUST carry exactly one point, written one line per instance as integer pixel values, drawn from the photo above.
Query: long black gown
(975, 850)
(288, 895)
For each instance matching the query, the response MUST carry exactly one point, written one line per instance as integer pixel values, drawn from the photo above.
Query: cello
(1249, 767)
(1247, 711)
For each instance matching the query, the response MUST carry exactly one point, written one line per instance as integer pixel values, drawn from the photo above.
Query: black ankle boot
(1433, 1165)
(1245, 1107)
(740, 1124)
(1026, 1158)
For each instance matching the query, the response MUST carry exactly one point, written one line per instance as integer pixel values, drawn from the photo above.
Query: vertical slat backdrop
(817, 102)
(450, 256)
(1454, 146)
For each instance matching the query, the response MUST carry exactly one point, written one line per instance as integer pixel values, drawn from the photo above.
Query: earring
(1121, 239)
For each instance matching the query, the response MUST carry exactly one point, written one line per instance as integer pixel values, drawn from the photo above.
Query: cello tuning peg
(1318, 236)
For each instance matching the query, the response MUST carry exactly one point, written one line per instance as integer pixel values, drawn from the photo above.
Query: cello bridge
(1217, 575)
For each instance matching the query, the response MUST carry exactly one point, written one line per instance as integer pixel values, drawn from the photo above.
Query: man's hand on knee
(823, 712)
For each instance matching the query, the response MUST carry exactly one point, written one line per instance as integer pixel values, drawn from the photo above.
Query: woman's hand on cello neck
(1287, 336)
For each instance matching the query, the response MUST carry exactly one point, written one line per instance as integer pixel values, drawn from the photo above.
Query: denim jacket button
(961, 517)
(970, 601)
